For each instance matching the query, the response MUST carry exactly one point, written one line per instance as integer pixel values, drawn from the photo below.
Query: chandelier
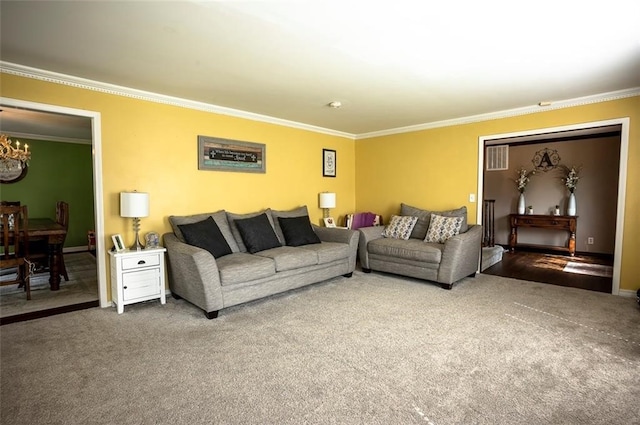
(14, 160)
(8, 152)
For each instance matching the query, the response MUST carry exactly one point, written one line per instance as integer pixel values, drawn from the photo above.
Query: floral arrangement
(523, 178)
(570, 177)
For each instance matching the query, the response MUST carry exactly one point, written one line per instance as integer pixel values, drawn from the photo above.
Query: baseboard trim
(627, 293)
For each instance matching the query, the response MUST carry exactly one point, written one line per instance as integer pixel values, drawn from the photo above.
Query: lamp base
(137, 246)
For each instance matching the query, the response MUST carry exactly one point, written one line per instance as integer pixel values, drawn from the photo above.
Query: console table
(566, 223)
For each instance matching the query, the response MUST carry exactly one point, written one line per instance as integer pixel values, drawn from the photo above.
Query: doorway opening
(93, 118)
(577, 130)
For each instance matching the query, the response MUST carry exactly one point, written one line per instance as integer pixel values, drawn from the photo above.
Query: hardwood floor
(547, 267)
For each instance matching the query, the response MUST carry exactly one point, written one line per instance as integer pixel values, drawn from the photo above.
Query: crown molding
(533, 109)
(68, 80)
(83, 83)
(30, 136)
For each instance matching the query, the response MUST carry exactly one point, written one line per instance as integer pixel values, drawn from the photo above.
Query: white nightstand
(137, 276)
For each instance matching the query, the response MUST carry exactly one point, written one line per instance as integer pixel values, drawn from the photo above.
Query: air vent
(497, 158)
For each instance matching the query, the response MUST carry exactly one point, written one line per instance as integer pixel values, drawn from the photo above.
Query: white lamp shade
(134, 204)
(327, 200)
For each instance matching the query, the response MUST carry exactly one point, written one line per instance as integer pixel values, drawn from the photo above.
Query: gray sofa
(238, 275)
(445, 263)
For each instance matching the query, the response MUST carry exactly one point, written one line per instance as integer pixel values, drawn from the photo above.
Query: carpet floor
(373, 349)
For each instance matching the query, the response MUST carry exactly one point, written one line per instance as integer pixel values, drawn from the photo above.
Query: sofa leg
(176, 296)
(211, 314)
(446, 285)
(348, 274)
(365, 270)
(472, 274)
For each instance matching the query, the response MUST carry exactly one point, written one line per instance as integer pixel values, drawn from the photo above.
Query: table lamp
(327, 201)
(134, 205)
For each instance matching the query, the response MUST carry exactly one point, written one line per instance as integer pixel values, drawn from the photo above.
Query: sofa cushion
(424, 218)
(234, 228)
(220, 217)
(442, 228)
(328, 251)
(289, 257)
(297, 231)
(412, 249)
(206, 234)
(296, 212)
(257, 233)
(240, 267)
(400, 227)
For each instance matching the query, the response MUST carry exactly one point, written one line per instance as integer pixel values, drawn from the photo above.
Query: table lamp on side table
(134, 205)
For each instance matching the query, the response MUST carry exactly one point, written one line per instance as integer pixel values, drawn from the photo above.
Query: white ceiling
(392, 64)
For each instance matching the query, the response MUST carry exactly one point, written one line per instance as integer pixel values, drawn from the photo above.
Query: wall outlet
(472, 197)
(590, 240)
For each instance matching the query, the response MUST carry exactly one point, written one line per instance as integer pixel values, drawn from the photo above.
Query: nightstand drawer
(140, 261)
(141, 284)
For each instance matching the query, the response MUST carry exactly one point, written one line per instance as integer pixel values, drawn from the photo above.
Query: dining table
(54, 233)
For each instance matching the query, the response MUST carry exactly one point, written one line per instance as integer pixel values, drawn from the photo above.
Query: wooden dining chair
(15, 245)
(39, 249)
(62, 217)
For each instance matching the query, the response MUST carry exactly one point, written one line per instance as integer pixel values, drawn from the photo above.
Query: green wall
(57, 172)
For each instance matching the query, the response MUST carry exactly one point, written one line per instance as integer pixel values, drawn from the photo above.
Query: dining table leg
(55, 255)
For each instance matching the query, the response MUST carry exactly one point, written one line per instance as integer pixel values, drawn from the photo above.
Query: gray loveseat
(240, 273)
(443, 262)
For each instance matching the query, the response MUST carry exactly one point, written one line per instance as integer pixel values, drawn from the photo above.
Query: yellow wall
(152, 147)
(438, 168)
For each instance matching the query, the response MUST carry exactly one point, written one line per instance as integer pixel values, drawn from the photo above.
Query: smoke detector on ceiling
(335, 104)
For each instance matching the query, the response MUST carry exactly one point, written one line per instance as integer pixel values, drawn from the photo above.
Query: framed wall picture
(328, 163)
(118, 243)
(219, 154)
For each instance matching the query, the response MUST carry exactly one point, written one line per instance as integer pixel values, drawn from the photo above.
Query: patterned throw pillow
(442, 228)
(400, 227)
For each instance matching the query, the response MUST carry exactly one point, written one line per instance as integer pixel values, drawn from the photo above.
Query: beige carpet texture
(373, 349)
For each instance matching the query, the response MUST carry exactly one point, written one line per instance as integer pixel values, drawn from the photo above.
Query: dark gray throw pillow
(257, 233)
(298, 231)
(206, 234)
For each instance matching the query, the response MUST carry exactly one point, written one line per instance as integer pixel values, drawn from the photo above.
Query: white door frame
(96, 142)
(622, 178)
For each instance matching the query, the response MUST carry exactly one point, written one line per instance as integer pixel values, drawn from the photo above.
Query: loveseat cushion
(424, 218)
(289, 257)
(232, 217)
(241, 266)
(257, 233)
(297, 231)
(442, 228)
(220, 217)
(276, 214)
(400, 227)
(412, 249)
(206, 234)
(328, 251)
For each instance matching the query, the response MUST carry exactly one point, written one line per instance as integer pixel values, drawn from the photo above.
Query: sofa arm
(367, 234)
(193, 274)
(335, 234)
(461, 255)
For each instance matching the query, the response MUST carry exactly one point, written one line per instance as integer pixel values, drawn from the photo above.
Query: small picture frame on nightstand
(152, 240)
(329, 222)
(118, 244)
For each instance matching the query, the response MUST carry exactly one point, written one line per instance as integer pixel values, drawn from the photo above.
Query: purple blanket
(363, 220)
